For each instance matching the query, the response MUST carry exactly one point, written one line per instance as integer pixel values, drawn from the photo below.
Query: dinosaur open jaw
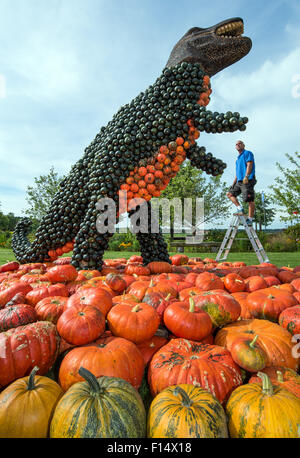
(232, 29)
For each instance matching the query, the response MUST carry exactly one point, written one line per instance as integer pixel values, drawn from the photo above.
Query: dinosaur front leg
(205, 161)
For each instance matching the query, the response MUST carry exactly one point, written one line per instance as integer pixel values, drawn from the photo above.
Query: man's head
(240, 146)
(214, 48)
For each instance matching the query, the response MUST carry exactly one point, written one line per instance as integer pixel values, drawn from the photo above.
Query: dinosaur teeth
(231, 30)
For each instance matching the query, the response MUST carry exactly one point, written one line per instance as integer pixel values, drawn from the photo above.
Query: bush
(5, 239)
(281, 242)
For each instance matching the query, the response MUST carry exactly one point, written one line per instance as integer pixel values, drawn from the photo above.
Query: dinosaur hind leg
(152, 244)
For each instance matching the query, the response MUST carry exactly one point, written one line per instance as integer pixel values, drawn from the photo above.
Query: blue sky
(66, 66)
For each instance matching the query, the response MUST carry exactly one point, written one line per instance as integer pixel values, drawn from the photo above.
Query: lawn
(279, 259)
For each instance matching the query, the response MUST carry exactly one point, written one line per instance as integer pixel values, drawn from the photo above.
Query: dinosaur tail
(20, 242)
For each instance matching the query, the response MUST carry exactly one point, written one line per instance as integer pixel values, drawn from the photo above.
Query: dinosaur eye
(196, 42)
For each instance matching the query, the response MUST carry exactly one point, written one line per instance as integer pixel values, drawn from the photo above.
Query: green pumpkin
(186, 411)
(105, 407)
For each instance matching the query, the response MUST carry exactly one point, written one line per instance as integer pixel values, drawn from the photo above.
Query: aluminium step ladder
(230, 236)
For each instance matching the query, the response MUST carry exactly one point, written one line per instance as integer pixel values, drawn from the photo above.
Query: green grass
(279, 259)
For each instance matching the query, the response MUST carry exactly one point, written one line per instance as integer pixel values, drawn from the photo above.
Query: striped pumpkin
(186, 411)
(105, 407)
(266, 411)
(27, 405)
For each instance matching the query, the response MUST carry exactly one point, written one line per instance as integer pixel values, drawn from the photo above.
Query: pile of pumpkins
(192, 349)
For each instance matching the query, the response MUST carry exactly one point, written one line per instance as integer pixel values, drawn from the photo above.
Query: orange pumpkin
(208, 281)
(263, 304)
(275, 340)
(186, 361)
(133, 322)
(114, 357)
(81, 324)
(185, 320)
(234, 283)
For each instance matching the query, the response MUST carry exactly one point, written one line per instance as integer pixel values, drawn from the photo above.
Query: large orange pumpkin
(187, 361)
(50, 308)
(97, 297)
(275, 340)
(115, 357)
(263, 304)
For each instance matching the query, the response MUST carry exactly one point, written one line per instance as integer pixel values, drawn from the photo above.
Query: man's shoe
(249, 222)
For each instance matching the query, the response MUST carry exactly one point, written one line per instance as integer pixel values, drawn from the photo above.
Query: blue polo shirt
(241, 165)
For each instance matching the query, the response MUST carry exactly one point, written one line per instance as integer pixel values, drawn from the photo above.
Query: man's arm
(248, 171)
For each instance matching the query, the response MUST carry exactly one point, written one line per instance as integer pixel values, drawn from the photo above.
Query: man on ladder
(243, 184)
(244, 181)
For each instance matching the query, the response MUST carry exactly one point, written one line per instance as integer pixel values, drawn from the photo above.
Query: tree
(8, 222)
(40, 196)
(286, 190)
(194, 183)
(264, 214)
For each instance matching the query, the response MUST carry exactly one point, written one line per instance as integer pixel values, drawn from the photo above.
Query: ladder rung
(231, 234)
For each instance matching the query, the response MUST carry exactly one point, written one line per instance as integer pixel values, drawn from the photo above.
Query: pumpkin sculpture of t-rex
(140, 150)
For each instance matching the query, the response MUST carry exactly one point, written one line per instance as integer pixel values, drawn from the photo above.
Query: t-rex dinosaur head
(213, 48)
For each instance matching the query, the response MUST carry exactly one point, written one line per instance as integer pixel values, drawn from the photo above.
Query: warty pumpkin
(185, 361)
(27, 405)
(24, 347)
(105, 407)
(17, 315)
(289, 319)
(186, 411)
(256, 411)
